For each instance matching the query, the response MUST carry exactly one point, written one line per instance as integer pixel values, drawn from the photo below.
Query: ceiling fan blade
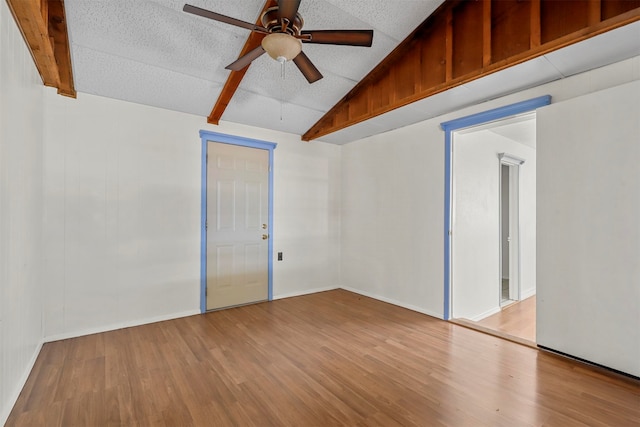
(287, 9)
(245, 59)
(223, 18)
(342, 37)
(307, 68)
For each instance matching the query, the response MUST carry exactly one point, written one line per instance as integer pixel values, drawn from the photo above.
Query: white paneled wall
(307, 217)
(21, 135)
(392, 217)
(588, 227)
(122, 213)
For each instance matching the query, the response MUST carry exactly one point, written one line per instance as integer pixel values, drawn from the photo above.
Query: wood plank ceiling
(453, 47)
(450, 48)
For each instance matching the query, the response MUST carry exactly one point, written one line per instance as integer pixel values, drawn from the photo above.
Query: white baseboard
(305, 292)
(122, 325)
(528, 293)
(486, 314)
(13, 397)
(394, 302)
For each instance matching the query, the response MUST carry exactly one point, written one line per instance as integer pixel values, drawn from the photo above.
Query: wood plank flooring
(517, 319)
(333, 358)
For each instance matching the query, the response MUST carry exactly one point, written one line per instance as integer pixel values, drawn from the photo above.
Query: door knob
(265, 236)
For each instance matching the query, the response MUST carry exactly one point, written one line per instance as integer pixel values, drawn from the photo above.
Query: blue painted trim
(497, 113)
(208, 136)
(270, 224)
(449, 127)
(447, 222)
(236, 140)
(203, 228)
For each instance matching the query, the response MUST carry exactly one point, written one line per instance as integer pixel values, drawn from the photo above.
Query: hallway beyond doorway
(516, 323)
(517, 319)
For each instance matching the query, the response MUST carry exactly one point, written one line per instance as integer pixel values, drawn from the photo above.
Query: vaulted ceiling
(440, 56)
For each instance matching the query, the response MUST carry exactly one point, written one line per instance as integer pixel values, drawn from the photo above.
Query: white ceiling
(152, 53)
(520, 128)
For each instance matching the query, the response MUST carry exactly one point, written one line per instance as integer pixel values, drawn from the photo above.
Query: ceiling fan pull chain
(282, 74)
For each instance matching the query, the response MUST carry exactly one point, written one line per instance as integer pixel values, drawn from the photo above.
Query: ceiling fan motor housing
(271, 22)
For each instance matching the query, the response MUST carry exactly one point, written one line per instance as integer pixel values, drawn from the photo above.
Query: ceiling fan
(282, 25)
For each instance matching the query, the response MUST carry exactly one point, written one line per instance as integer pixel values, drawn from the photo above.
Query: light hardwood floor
(517, 319)
(333, 358)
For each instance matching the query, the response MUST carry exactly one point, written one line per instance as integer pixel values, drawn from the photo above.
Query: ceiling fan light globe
(281, 47)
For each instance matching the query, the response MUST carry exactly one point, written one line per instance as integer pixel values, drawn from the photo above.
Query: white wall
(392, 217)
(588, 227)
(393, 198)
(307, 181)
(476, 221)
(21, 114)
(122, 213)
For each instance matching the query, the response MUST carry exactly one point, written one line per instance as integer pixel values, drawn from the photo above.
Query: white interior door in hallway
(510, 227)
(237, 225)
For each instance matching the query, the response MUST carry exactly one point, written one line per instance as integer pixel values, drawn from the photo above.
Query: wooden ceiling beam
(57, 22)
(453, 47)
(28, 14)
(235, 77)
(44, 29)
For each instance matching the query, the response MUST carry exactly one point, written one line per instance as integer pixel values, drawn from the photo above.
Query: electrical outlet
(279, 256)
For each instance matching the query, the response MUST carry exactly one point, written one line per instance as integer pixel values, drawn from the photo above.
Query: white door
(237, 225)
(514, 233)
(510, 202)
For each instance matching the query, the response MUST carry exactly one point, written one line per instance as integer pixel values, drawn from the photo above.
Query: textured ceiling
(152, 53)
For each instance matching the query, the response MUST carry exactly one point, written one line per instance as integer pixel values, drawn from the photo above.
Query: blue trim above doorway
(208, 136)
(449, 127)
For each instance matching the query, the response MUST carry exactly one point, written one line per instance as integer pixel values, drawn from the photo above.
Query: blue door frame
(206, 137)
(449, 127)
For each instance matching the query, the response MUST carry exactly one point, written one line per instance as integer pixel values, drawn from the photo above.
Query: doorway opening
(490, 220)
(490, 231)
